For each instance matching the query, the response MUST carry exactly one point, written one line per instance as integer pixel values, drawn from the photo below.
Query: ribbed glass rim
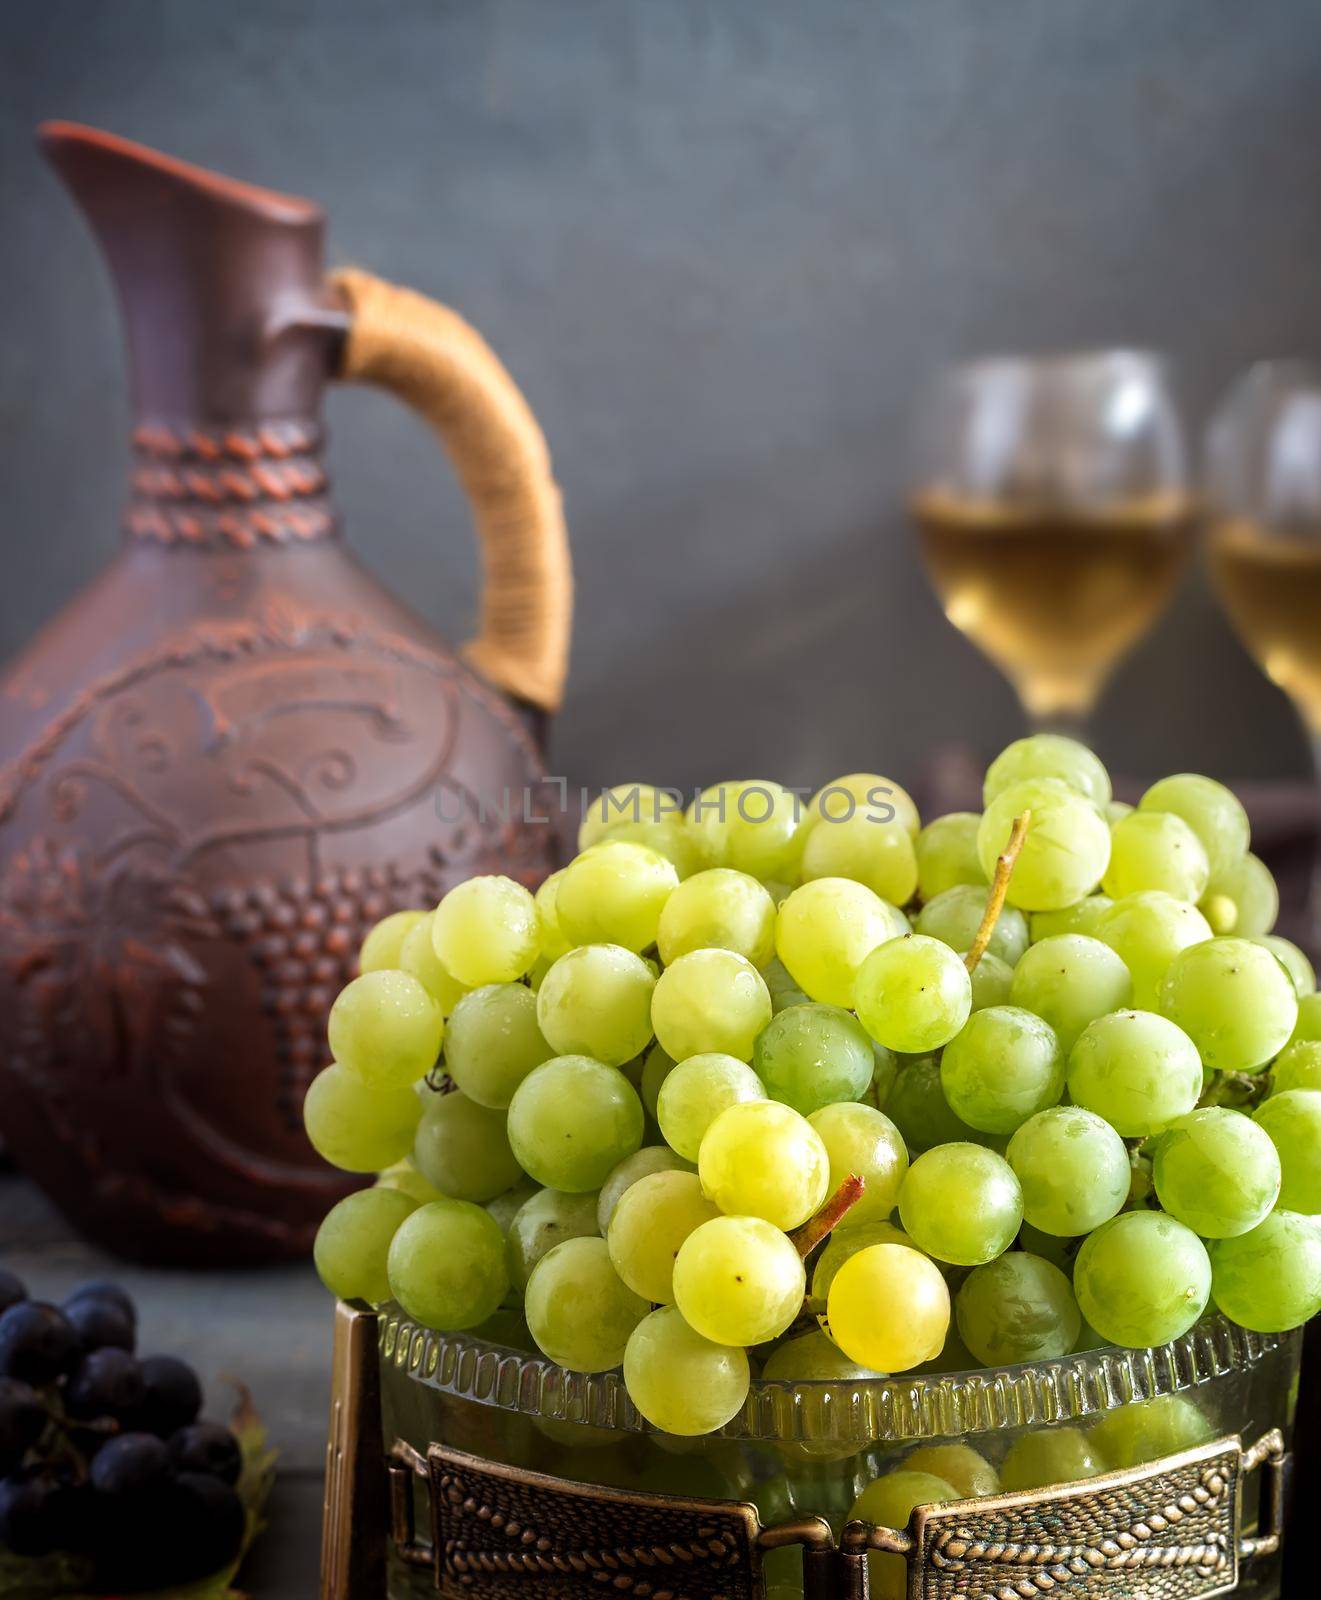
(819, 1412)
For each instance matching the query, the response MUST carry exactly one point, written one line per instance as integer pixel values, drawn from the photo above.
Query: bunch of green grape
(809, 1079)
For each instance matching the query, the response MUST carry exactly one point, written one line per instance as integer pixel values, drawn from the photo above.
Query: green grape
(955, 916)
(1066, 851)
(1084, 916)
(913, 994)
(811, 1055)
(572, 1120)
(1156, 850)
(992, 980)
(1048, 755)
(652, 1219)
(679, 1381)
(551, 936)
(641, 1164)
(1142, 1279)
(614, 894)
(596, 1001)
(1217, 1172)
(913, 1292)
(696, 1092)
(1292, 1121)
(966, 1470)
(623, 804)
(918, 1108)
(845, 1241)
(826, 929)
(879, 854)
(507, 1326)
(493, 1042)
(1004, 1067)
(755, 827)
(384, 944)
(1073, 1168)
(783, 990)
(1146, 1430)
(863, 1142)
(1301, 972)
(1298, 1066)
(355, 1126)
(1234, 1000)
(1308, 1025)
(354, 1240)
(544, 1220)
(405, 1177)
(1269, 1280)
(463, 1149)
(418, 956)
(505, 1207)
(1116, 810)
(386, 1028)
(1060, 1251)
(656, 1067)
(1017, 1308)
(961, 1203)
(885, 1068)
(447, 1265)
(738, 1280)
(486, 930)
(670, 837)
(710, 1000)
(761, 1159)
(1070, 980)
(888, 1502)
(1047, 1456)
(813, 1358)
(1210, 810)
(879, 799)
(718, 909)
(578, 1308)
(1146, 931)
(1137, 1070)
(947, 854)
(1245, 898)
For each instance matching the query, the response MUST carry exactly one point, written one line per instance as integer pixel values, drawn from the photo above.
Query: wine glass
(1055, 515)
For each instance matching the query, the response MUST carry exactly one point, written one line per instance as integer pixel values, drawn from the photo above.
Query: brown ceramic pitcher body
(235, 751)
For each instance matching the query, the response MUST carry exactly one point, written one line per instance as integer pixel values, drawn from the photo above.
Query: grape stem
(814, 1230)
(999, 889)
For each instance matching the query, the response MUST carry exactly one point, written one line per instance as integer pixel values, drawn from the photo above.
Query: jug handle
(441, 366)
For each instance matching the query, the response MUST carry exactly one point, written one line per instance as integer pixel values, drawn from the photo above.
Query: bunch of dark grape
(102, 1453)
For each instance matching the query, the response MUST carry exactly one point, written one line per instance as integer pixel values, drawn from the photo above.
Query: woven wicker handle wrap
(442, 367)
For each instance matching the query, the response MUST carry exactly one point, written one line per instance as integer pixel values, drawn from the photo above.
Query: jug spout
(227, 312)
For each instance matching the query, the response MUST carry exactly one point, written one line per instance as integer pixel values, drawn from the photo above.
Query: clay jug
(235, 751)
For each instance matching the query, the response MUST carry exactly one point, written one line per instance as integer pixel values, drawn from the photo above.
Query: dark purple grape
(207, 1447)
(212, 1524)
(12, 1289)
(36, 1342)
(22, 1421)
(132, 1464)
(26, 1523)
(100, 1323)
(105, 1383)
(99, 1289)
(173, 1396)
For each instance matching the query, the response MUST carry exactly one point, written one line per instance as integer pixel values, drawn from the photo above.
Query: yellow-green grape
(1217, 1172)
(761, 1159)
(572, 1120)
(1073, 1168)
(754, 826)
(505, 1207)
(621, 805)
(917, 1106)
(578, 1309)
(1137, 1070)
(1047, 1456)
(947, 854)
(463, 1149)
(1213, 812)
(1002, 1068)
(1269, 1280)
(992, 980)
(681, 1382)
(879, 854)
(695, 1093)
(1066, 851)
(418, 956)
(916, 1317)
(1243, 899)
(961, 1203)
(614, 894)
(1146, 1430)
(543, 1221)
(826, 929)
(1146, 931)
(913, 994)
(1301, 972)
(354, 1240)
(1084, 916)
(356, 1126)
(551, 936)
(1298, 1066)
(885, 1068)
(888, 1502)
(845, 1241)
(596, 1001)
(954, 1356)
(827, 1431)
(719, 909)
(710, 1000)
(447, 1265)
(863, 1142)
(869, 794)
(955, 916)
(656, 1067)
(1017, 1308)
(493, 1042)
(1142, 1279)
(486, 930)
(810, 1056)
(1116, 810)
(738, 1280)
(641, 1164)
(1156, 850)
(1234, 1000)
(652, 1219)
(963, 1468)
(1308, 1025)
(1292, 1121)
(783, 990)
(386, 1028)
(1070, 980)
(405, 1177)
(670, 837)
(507, 1326)
(1048, 755)
(384, 944)
(812, 1358)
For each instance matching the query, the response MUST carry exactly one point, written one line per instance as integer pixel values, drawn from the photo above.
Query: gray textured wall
(720, 242)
